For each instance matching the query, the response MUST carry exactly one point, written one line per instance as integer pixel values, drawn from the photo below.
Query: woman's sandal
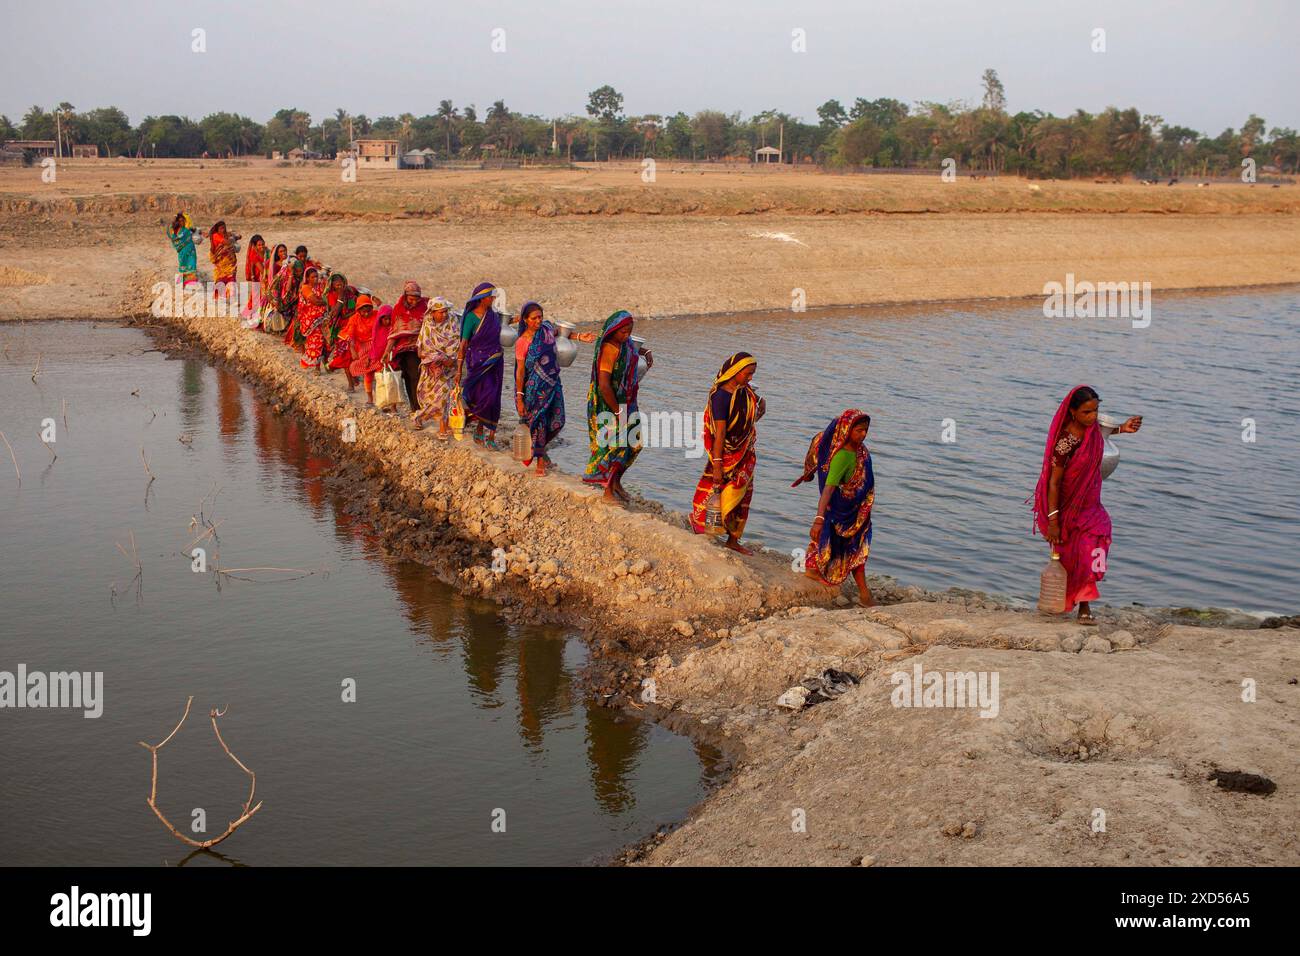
(1087, 620)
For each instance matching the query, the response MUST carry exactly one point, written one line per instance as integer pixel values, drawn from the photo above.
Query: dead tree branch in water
(14, 457)
(248, 808)
(138, 580)
(54, 456)
(37, 370)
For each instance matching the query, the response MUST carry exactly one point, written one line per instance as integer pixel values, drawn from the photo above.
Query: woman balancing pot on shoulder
(1067, 501)
(730, 413)
(840, 536)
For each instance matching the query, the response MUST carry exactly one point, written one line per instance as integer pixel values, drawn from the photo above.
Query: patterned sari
(437, 346)
(339, 307)
(311, 319)
(1085, 525)
(609, 454)
(845, 539)
(543, 393)
(484, 367)
(291, 279)
(738, 457)
(187, 262)
(255, 264)
(224, 256)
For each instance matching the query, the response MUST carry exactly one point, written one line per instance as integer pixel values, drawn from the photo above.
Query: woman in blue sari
(539, 396)
(479, 365)
(182, 235)
(840, 537)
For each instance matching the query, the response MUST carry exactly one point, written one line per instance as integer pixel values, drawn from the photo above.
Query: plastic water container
(713, 514)
(1051, 587)
(521, 444)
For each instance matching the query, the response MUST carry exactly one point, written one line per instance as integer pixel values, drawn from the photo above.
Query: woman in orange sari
(223, 250)
(730, 414)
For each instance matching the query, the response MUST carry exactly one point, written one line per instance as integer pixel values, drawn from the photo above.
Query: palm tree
(448, 113)
(406, 119)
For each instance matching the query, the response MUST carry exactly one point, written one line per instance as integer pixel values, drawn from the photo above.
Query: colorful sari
(358, 333)
(407, 321)
(255, 265)
(738, 457)
(339, 308)
(610, 455)
(437, 346)
(1085, 525)
(311, 320)
(844, 542)
(484, 367)
(187, 262)
(224, 256)
(543, 393)
(292, 274)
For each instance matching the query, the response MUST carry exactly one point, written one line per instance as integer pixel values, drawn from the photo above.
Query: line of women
(448, 359)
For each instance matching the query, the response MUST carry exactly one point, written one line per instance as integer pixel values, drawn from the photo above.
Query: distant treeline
(881, 132)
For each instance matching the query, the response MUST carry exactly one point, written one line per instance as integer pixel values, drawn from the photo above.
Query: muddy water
(1201, 517)
(460, 718)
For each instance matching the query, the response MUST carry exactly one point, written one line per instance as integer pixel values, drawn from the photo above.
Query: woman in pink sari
(1067, 501)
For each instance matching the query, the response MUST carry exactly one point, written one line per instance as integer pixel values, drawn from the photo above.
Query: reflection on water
(459, 714)
(1200, 516)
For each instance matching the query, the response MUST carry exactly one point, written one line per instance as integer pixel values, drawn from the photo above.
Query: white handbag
(389, 388)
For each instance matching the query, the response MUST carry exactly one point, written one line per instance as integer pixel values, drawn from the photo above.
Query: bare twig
(37, 369)
(146, 463)
(54, 455)
(249, 808)
(14, 457)
(65, 413)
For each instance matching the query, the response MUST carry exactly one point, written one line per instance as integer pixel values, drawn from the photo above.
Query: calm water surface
(1201, 517)
(458, 713)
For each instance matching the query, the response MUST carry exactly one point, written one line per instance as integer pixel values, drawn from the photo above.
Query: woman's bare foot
(1085, 615)
(736, 546)
(866, 600)
(416, 426)
(541, 468)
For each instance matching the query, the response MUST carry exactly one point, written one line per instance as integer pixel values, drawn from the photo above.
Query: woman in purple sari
(1067, 501)
(479, 365)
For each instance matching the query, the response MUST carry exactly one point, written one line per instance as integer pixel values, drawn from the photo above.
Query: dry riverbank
(1099, 753)
(586, 242)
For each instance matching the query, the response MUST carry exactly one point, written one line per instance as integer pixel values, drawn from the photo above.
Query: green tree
(832, 114)
(605, 104)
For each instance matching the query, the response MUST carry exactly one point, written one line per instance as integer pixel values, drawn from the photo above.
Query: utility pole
(58, 135)
(781, 158)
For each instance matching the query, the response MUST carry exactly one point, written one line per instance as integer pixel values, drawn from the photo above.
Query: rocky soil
(1100, 751)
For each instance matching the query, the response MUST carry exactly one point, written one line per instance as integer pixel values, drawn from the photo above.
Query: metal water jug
(566, 350)
(1109, 425)
(642, 366)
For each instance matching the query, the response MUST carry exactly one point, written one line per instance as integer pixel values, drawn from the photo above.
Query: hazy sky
(1199, 63)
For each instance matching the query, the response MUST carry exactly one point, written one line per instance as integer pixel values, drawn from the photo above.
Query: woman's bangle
(818, 518)
(1053, 514)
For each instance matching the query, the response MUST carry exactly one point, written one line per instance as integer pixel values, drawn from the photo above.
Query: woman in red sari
(1067, 501)
(730, 414)
(403, 340)
(256, 264)
(223, 250)
(311, 316)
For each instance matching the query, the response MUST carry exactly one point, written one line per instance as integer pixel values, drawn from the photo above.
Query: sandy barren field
(697, 240)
